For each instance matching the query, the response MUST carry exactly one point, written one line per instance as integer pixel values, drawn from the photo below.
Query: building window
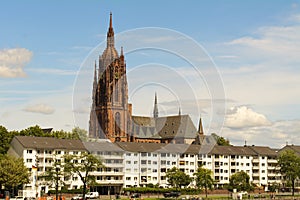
(29, 160)
(117, 123)
(29, 151)
(128, 162)
(144, 154)
(128, 178)
(143, 162)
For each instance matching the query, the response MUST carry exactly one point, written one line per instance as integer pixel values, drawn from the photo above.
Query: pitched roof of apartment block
(206, 147)
(102, 146)
(49, 143)
(294, 148)
(262, 150)
(231, 150)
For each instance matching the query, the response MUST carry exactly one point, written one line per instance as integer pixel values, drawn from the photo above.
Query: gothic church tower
(110, 116)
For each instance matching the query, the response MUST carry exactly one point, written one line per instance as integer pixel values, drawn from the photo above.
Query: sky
(233, 63)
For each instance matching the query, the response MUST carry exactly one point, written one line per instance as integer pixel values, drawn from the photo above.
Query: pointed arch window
(117, 123)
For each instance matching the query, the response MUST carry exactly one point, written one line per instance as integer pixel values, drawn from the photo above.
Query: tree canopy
(6, 136)
(240, 181)
(82, 165)
(12, 171)
(221, 140)
(177, 178)
(289, 164)
(204, 179)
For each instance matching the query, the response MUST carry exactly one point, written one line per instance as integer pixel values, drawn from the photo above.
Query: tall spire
(110, 33)
(155, 110)
(179, 111)
(200, 128)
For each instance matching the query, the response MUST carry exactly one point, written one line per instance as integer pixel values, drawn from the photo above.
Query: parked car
(77, 197)
(172, 194)
(136, 195)
(92, 195)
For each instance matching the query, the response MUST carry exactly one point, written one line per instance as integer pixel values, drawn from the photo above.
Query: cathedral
(111, 115)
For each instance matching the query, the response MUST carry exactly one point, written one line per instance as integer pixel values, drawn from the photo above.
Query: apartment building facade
(130, 164)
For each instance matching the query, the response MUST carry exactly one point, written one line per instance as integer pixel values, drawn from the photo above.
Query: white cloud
(273, 44)
(275, 135)
(241, 117)
(40, 108)
(12, 62)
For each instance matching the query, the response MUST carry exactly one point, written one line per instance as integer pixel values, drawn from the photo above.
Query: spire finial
(155, 110)
(122, 51)
(179, 111)
(110, 20)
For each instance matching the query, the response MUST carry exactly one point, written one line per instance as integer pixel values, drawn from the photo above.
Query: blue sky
(254, 46)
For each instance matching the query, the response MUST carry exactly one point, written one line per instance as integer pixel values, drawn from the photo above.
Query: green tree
(240, 181)
(5, 139)
(203, 178)
(33, 131)
(55, 176)
(82, 165)
(289, 164)
(78, 133)
(61, 134)
(13, 172)
(220, 140)
(177, 178)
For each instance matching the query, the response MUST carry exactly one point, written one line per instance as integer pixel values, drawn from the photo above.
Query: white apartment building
(39, 154)
(139, 164)
(109, 179)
